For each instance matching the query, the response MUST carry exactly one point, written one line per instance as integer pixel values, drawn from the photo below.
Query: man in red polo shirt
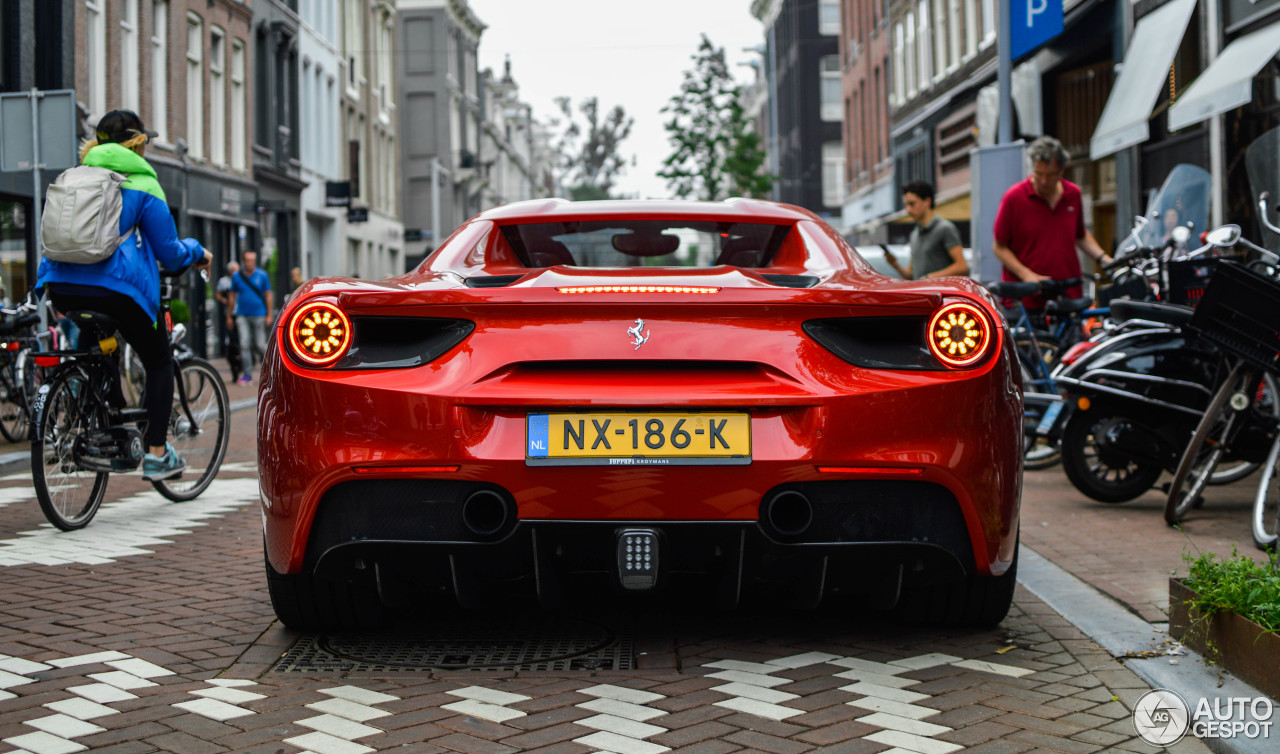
(1040, 224)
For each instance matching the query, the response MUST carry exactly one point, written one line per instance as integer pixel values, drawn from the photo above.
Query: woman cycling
(126, 286)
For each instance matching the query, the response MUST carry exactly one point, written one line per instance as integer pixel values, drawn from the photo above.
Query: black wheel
(1235, 470)
(1266, 504)
(1096, 471)
(1208, 444)
(977, 601)
(202, 443)
(13, 403)
(69, 494)
(305, 602)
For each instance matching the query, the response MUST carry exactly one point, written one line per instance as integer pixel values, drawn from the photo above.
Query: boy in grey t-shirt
(935, 242)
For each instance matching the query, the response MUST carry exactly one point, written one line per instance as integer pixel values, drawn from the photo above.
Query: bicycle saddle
(104, 322)
(1068, 305)
(1124, 310)
(1010, 289)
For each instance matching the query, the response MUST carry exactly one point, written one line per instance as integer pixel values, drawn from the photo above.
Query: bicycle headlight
(319, 333)
(960, 335)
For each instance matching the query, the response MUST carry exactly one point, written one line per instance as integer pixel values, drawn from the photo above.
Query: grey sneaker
(168, 466)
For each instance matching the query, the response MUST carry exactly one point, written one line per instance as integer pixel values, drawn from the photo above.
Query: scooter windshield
(1262, 160)
(1182, 200)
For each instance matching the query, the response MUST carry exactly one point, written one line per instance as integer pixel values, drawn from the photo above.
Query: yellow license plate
(651, 438)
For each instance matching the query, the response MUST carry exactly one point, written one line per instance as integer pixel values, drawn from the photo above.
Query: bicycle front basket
(1240, 312)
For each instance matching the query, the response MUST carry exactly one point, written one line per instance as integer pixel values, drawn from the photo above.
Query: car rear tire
(305, 602)
(977, 601)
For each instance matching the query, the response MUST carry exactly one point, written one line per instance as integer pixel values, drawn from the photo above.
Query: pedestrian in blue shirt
(250, 302)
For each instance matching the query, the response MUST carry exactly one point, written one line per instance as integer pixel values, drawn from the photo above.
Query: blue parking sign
(1032, 23)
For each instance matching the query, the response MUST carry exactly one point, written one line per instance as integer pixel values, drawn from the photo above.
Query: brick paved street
(151, 631)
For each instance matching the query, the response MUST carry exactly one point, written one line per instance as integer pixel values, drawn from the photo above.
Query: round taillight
(319, 333)
(959, 335)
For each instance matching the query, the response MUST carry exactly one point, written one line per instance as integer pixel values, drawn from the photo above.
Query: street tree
(588, 156)
(715, 152)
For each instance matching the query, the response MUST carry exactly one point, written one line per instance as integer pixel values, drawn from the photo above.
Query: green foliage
(1240, 585)
(715, 152)
(588, 160)
(180, 311)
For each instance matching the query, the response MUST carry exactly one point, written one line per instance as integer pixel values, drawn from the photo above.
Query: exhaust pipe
(789, 513)
(485, 513)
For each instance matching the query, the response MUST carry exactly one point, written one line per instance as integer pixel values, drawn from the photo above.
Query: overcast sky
(625, 52)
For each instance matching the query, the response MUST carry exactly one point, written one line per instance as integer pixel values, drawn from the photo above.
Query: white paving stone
(81, 709)
(893, 681)
(621, 726)
(44, 743)
(752, 679)
(102, 693)
(483, 710)
(228, 695)
(323, 743)
(803, 660)
(622, 709)
(857, 663)
(231, 681)
(121, 680)
(359, 695)
(9, 680)
(214, 709)
(904, 724)
(930, 660)
(884, 692)
(993, 667)
(64, 725)
(746, 667)
(492, 696)
(348, 709)
(6, 695)
(140, 668)
(611, 742)
(913, 711)
(773, 696)
(339, 726)
(622, 694)
(21, 666)
(759, 708)
(912, 742)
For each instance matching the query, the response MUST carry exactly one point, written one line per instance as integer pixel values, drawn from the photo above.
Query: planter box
(1238, 644)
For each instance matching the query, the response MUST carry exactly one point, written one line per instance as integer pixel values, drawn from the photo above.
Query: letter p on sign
(1032, 23)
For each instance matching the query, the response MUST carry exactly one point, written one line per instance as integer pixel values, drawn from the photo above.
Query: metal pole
(36, 207)
(1217, 164)
(435, 202)
(1004, 130)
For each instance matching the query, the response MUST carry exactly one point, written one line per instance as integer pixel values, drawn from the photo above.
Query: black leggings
(149, 341)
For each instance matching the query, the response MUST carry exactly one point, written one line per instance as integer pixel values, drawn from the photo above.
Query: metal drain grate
(506, 644)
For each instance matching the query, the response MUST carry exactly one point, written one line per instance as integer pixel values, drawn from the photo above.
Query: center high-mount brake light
(959, 335)
(319, 333)
(638, 289)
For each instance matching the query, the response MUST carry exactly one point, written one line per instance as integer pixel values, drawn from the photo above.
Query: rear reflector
(871, 470)
(1076, 351)
(48, 361)
(638, 289)
(13, 346)
(405, 469)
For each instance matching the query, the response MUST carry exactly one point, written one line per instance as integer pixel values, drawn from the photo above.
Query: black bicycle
(79, 439)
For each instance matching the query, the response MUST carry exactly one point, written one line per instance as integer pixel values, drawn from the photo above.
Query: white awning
(1146, 66)
(1228, 81)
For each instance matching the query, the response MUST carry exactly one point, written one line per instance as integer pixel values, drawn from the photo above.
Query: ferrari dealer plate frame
(625, 438)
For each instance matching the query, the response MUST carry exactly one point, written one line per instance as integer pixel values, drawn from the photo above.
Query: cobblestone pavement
(151, 630)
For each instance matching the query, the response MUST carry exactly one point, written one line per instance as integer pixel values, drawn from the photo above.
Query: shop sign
(337, 194)
(357, 214)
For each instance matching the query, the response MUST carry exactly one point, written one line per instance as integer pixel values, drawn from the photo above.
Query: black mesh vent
(876, 342)
(390, 342)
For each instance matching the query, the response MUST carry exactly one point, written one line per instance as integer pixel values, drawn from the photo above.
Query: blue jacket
(132, 269)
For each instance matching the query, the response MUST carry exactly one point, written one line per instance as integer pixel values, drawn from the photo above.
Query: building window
(923, 45)
(354, 47)
(955, 23)
(217, 96)
(829, 17)
(899, 77)
(832, 173)
(96, 57)
(238, 135)
(160, 68)
(940, 36)
(831, 94)
(129, 55)
(988, 22)
(970, 28)
(909, 55)
(195, 86)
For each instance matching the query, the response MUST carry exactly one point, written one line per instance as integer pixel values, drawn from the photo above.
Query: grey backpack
(81, 219)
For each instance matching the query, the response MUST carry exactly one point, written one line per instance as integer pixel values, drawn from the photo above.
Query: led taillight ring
(960, 335)
(319, 333)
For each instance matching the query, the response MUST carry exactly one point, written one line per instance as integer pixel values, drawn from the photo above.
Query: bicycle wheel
(1207, 445)
(202, 444)
(1266, 504)
(69, 494)
(1234, 471)
(13, 404)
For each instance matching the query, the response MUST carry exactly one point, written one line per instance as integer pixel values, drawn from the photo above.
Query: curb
(1125, 636)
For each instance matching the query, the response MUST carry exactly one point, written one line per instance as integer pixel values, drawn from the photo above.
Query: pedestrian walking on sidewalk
(250, 300)
(232, 340)
(935, 242)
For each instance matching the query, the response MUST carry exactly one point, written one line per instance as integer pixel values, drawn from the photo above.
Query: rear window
(645, 243)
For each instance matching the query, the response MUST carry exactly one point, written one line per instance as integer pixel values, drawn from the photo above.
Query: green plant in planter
(1239, 584)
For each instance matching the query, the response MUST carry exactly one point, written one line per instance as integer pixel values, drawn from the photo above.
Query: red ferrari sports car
(635, 396)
